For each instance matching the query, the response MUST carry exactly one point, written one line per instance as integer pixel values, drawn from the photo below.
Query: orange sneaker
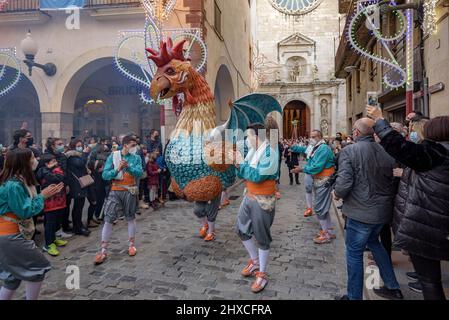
(210, 237)
(250, 269)
(332, 235)
(308, 213)
(225, 203)
(260, 283)
(100, 258)
(203, 230)
(132, 251)
(323, 238)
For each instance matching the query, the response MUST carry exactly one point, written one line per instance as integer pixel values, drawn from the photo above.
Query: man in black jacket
(365, 183)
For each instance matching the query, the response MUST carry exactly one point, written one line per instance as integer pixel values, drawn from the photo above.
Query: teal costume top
(134, 167)
(15, 199)
(267, 168)
(322, 159)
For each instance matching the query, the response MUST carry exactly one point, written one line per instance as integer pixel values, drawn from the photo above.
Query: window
(217, 19)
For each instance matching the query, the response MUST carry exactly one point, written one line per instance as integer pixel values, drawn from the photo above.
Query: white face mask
(79, 149)
(34, 164)
(133, 150)
(313, 142)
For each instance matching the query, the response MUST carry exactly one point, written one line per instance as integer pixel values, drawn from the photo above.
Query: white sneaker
(61, 234)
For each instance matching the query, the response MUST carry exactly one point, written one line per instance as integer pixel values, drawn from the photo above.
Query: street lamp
(30, 49)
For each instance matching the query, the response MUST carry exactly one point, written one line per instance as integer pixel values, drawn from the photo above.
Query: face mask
(414, 137)
(60, 148)
(30, 142)
(92, 146)
(34, 164)
(313, 142)
(133, 150)
(79, 149)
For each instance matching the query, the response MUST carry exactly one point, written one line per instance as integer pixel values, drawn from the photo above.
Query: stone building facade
(295, 52)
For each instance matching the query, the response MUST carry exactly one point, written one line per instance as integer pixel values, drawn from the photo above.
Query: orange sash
(128, 180)
(325, 173)
(266, 188)
(8, 228)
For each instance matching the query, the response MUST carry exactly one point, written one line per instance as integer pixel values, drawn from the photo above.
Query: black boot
(432, 290)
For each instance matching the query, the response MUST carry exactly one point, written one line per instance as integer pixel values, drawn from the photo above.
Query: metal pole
(409, 58)
(162, 122)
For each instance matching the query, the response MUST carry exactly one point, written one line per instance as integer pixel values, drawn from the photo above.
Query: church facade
(294, 46)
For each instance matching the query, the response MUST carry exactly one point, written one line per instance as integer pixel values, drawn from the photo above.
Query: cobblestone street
(174, 263)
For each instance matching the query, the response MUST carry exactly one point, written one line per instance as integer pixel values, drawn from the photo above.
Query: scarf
(315, 149)
(116, 158)
(254, 155)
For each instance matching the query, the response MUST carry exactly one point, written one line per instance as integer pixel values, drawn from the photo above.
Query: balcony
(22, 11)
(114, 9)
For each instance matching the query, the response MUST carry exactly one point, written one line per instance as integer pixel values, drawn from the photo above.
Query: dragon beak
(160, 88)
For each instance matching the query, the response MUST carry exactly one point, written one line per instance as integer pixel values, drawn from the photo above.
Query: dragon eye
(170, 71)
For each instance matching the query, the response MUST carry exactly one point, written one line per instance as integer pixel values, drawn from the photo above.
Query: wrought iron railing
(19, 5)
(94, 3)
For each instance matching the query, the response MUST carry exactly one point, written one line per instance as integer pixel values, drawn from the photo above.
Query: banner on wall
(60, 4)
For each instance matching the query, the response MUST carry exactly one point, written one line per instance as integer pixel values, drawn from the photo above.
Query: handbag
(84, 181)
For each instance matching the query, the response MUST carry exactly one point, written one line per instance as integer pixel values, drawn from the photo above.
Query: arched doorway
(296, 111)
(224, 90)
(108, 104)
(19, 106)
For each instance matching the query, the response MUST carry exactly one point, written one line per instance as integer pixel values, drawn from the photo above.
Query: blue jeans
(359, 236)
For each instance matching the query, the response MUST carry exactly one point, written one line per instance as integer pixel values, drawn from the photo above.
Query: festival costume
(196, 137)
(320, 165)
(20, 259)
(257, 211)
(122, 200)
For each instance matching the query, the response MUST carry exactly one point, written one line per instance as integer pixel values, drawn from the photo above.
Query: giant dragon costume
(193, 178)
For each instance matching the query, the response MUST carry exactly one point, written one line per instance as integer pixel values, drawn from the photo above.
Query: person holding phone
(20, 258)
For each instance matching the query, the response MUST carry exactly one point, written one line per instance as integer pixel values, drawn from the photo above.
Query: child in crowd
(51, 173)
(153, 172)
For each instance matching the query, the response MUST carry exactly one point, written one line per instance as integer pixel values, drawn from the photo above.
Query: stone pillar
(334, 115)
(316, 112)
(57, 124)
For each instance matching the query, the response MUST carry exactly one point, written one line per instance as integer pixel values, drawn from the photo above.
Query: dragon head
(172, 76)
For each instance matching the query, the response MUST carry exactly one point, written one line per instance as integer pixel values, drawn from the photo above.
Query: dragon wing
(251, 109)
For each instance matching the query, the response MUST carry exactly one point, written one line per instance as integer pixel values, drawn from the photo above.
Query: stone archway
(224, 90)
(296, 110)
(19, 106)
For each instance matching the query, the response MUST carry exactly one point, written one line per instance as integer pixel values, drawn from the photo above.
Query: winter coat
(421, 213)
(365, 182)
(153, 174)
(76, 166)
(47, 177)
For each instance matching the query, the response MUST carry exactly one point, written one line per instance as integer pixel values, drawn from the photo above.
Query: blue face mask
(414, 137)
(60, 148)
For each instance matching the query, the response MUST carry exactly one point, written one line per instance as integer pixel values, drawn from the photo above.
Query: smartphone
(373, 99)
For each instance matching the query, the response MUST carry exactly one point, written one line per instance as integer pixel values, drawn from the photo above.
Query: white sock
(252, 250)
(328, 223)
(211, 226)
(32, 290)
(309, 200)
(204, 221)
(105, 236)
(131, 232)
(6, 294)
(263, 257)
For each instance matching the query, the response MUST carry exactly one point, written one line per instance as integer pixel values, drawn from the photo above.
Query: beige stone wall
(319, 36)
(437, 64)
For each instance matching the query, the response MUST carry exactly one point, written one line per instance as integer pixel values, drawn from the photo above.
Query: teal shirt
(267, 168)
(14, 198)
(322, 159)
(134, 167)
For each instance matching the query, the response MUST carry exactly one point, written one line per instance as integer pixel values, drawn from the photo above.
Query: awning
(60, 4)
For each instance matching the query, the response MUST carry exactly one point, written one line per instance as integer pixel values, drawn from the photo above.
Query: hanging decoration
(131, 58)
(369, 11)
(429, 25)
(10, 70)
